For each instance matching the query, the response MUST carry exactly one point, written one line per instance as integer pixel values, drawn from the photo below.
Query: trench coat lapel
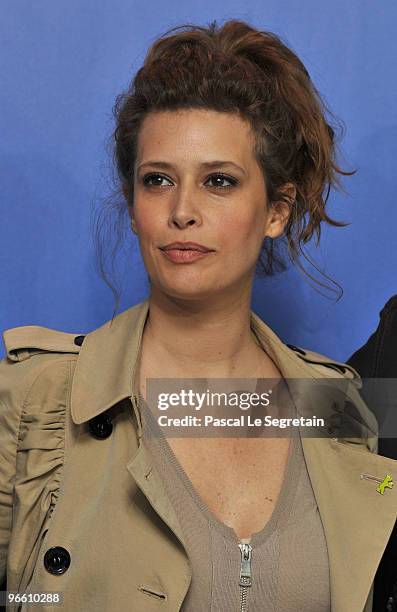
(357, 520)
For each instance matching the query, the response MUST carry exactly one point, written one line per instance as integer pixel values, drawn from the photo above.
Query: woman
(221, 142)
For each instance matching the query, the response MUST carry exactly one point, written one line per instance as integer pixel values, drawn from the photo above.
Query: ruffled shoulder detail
(39, 464)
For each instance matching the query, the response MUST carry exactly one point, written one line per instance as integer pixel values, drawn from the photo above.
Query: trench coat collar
(107, 361)
(106, 364)
(357, 520)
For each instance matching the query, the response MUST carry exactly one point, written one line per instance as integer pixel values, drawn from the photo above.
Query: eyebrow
(210, 164)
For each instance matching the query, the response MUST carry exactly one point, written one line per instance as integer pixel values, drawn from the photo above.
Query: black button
(295, 348)
(56, 560)
(79, 340)
(100, 426)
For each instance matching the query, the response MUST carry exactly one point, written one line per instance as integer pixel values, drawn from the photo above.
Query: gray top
(289, 559)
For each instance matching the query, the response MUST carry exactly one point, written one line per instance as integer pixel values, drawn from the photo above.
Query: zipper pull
(245, 567)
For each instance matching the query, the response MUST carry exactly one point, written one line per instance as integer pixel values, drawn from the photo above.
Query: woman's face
(196, 180)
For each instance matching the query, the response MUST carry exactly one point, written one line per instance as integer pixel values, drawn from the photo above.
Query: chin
(187, 291)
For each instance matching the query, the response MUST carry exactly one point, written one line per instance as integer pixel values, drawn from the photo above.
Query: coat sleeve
(11, 400)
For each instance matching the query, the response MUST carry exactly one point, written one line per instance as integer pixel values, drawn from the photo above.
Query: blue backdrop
(62, 65)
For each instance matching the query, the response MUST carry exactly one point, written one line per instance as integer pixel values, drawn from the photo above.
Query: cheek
(147, 219)
(244, 230)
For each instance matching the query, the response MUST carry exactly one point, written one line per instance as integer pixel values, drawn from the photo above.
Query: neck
(201, 338)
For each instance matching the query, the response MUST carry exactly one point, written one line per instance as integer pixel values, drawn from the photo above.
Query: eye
(223, 177)
(149, 177)
(154, 180)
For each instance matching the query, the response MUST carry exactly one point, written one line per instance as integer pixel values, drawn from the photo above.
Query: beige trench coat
(102, 501)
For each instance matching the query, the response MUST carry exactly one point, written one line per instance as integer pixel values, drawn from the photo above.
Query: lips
(186, 246)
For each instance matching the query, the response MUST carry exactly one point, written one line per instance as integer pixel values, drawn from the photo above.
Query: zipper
(245, 574)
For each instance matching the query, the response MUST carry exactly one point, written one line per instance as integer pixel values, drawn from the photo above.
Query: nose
(182, 220)
(184, 212)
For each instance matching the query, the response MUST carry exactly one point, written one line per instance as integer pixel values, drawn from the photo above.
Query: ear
(280, 211)
(133, 223)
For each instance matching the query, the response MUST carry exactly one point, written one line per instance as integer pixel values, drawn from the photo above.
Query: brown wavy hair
(236, 68)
